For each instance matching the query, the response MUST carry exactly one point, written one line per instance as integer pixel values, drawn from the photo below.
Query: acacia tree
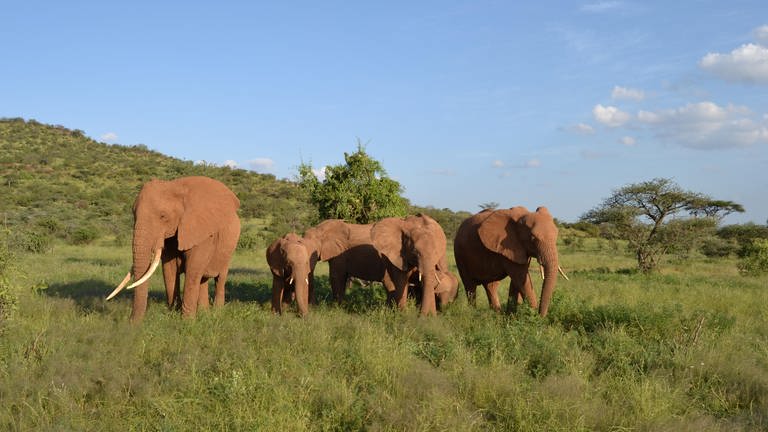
(357, 191)
(658, 216)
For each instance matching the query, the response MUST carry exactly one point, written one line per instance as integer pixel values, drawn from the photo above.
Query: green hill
(56, 182)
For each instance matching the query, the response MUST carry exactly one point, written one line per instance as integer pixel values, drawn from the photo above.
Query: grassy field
(685, 349)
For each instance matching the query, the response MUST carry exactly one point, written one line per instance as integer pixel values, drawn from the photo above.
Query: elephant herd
(190, 225)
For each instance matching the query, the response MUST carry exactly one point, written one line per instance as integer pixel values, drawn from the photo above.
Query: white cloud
(262, 165)
(747, 63)
(319, 173)
(581, 129)
(761, 34)
(533, 163)
(230, 163)
(628, 141)
(706, 125)
(603, 6)
(497, 164)
(624, 93)
(610, 115)
(109, 137)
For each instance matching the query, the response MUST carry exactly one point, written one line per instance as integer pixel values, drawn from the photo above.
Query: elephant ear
(208, 207)
(275, 257)
(498, 233)
(331, 236)
(387, 237)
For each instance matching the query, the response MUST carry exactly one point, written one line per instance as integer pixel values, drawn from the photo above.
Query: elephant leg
(400, 281)
(470, 287)
(277, 294)
(203, 297)
(172, 268)
(389, 285)
(339, 284)
(530, 295)
(312, 297)
(195, 261)
(191, 291)
(172, 281)
(218, 293)
(515, 296)
(492, 292)
(520, 285)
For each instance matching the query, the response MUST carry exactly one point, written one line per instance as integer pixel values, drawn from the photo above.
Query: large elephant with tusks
(190, 225)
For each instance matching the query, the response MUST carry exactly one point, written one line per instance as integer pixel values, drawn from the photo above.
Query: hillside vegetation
(57, 182)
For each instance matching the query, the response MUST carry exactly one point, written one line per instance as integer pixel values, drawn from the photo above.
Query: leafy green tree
(646, 215)
(754, 260)
(493, 205)
(357, 191)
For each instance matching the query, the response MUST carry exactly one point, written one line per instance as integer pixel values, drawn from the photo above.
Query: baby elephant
(292, 261)
(445, 293)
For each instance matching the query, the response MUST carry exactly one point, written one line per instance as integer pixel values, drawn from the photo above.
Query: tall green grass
(682, 349)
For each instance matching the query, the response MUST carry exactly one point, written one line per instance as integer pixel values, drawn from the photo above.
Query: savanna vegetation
(683, 347)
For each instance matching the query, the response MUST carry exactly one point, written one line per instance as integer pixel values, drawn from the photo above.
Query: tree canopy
(357, 191)
(646, 215)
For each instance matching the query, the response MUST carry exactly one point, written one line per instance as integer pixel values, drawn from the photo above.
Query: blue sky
(464, 102)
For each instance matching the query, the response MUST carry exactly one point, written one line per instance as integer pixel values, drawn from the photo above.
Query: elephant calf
(292, 261)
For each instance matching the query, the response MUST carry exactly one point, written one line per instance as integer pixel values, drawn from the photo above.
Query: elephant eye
(163, 217)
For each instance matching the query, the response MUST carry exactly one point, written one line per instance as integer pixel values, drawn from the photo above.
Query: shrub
(84, 235)
(754, 257)
(7, 300)
(249, 240)
(30, 241)
(716, 247)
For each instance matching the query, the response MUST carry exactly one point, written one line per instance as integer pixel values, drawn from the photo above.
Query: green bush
(716, 247)
(7, 299)
(84, 235)
(249, 240)
(30, 241)
(754, 257)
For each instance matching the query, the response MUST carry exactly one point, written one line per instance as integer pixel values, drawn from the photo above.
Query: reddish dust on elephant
(495, 244)
(413, 244)
(190, 225)
(292, 261)
(350, 252)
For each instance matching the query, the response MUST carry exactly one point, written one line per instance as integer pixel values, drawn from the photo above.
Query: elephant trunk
(549, 260)
(301, 287)
(429, 283)
(143, 252)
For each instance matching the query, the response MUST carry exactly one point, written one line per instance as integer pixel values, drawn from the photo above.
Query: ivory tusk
(419, 276)
(541, 271)
(120, 287)
(290, 280)
(437, 277)
(152, 268)
(560, 269)
(306, 280)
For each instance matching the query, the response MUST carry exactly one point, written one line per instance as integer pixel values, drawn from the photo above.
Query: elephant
(190, 224)
(292, 262)
(350, 253)
(494, 244)
(445, 293)
(412, 244)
